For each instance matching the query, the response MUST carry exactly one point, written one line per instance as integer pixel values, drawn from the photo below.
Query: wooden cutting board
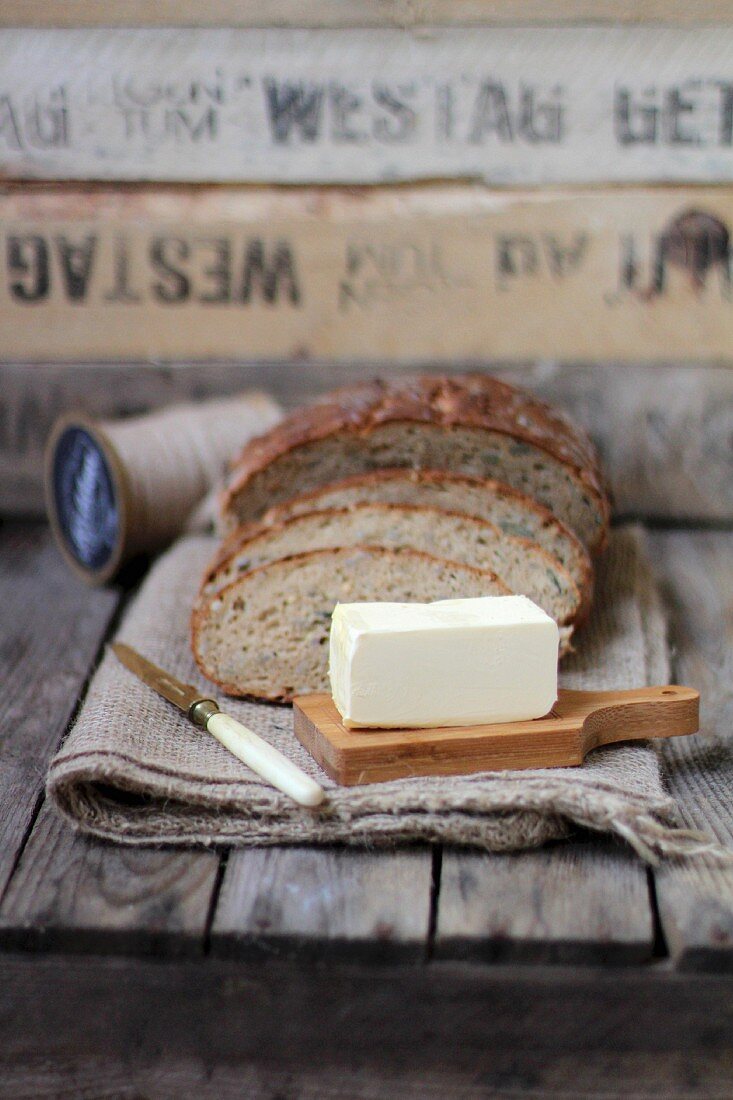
(579, 721)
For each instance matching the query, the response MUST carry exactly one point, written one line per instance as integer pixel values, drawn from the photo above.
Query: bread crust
(466, 400)
(251, 532)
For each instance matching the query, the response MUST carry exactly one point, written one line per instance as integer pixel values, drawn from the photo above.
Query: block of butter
(448, 663)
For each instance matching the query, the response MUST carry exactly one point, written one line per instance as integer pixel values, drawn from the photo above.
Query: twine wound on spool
(116, 489)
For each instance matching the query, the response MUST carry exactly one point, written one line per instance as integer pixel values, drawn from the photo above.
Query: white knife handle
(264, 759)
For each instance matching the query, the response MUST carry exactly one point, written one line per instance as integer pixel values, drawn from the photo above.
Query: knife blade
(263, 758)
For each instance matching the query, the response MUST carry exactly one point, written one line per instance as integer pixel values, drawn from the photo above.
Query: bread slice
(468, 424)
(266, 634)
(523, 565)
(512, 511)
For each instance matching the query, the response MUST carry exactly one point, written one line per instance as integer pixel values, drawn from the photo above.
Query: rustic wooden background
(665, 432)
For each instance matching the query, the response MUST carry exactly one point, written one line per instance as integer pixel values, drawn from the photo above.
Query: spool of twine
(115, 489)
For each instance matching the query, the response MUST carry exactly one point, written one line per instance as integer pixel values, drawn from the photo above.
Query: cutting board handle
(668, 710)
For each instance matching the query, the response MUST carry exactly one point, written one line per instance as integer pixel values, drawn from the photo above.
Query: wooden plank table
(306, 973)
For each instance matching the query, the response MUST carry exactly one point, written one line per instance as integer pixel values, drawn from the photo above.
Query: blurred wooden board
(508, 105)
(444, 274)
(357, 13)
(663, 431)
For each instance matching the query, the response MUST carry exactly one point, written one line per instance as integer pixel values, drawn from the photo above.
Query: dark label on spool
(84, 496)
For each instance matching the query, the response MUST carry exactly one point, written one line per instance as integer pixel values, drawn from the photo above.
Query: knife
(252, 750)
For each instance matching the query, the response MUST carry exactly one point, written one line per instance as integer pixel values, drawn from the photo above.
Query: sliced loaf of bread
(512, 511)
(266, 634)
(469, 424)
(523, 565)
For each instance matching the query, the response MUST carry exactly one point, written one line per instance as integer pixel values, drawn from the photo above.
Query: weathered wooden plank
(460, 1031)
(51, 628)
(324, 902)
(442, 273)
(73, 893)
(674, 1076)
(519, 105)
(695, 897)
(571, 903)
(357, 13)
(67, 892)
(663, 431)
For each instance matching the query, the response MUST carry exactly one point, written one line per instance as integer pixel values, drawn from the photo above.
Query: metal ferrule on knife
(201, 711)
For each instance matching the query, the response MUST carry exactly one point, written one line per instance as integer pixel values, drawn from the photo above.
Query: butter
(448, 663)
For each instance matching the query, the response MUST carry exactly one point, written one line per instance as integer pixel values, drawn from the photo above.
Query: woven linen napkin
(134, 770)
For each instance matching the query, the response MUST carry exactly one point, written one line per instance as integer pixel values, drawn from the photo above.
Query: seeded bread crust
(521, 563)
(475, 401)
(323, 578)
(488, 499)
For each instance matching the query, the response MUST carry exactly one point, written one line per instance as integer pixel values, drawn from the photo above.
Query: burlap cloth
(134, 770)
